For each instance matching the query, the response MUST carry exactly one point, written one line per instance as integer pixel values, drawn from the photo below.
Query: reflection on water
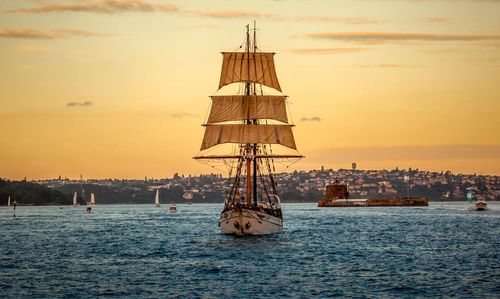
(143, 251)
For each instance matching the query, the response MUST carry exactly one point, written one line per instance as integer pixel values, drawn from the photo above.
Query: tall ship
(252, 129)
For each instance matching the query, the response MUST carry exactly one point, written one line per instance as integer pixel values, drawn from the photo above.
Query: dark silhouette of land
(297, 186)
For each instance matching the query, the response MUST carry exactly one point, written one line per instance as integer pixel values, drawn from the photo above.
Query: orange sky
(120, 88)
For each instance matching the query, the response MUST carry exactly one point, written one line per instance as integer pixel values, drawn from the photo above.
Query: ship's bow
(249, 222)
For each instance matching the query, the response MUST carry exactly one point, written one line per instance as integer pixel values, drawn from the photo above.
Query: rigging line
(241, 45)
(263, 184)
(236, 183)
(272, 182)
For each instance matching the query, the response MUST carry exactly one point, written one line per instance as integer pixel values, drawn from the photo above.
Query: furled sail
(267, 134)
(232, 108)
(256, 67)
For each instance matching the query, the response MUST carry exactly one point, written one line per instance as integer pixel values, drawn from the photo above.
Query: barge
(337, 195)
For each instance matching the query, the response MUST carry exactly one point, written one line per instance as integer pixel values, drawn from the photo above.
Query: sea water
(141, 251)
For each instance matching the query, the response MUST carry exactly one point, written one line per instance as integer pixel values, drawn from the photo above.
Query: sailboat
(157, 198)
(91, 204)
(8, 201)
(74, 200)
(253, 122)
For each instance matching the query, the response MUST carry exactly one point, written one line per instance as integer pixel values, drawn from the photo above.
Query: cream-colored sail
(157, 198)
(256, 67)
(92, 199)
(233, 108)
(248, 134)
(8, 201)
(74, 199)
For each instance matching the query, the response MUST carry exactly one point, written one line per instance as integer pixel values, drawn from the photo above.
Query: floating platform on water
(337, 195)
(372, 202)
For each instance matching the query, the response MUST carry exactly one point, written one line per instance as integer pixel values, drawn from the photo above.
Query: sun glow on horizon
(121, 91)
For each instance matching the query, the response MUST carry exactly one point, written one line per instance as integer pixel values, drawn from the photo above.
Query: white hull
(249, 222)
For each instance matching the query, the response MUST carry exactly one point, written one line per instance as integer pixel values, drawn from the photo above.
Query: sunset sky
(120, 88)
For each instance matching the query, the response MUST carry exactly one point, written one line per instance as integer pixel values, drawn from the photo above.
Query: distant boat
(188, 196)
(90, 206)
(481, 205)
(14, 204)
(8, 201)
(74, 200)
(173, 208)
(157, 198)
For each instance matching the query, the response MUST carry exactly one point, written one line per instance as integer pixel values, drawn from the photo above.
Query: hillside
(26, 193)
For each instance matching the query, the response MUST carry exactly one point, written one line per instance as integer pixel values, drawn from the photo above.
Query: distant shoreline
(204, 203)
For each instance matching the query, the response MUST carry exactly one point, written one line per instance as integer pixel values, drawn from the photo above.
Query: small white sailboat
(90, 206)
(74, 200)
(173, 208)
(157, 198)
(8, 201)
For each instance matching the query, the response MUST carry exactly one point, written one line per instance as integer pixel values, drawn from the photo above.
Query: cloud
(385, 65)
(46, 34)
(200, 27)
(246, 14)
(326, 50)
(334, 19)
(79, 104)
(393, 153)
(30, 49)
(493, 45)
(472, 1)
(453, 1)
(238, 14)
(101, 6)
(120, 6)
(180, 114)
(442, 51)
(436, 19)
(314, 118)
(484, 59)
(384, 37)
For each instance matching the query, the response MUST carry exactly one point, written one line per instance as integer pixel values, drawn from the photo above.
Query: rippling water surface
(143, 251)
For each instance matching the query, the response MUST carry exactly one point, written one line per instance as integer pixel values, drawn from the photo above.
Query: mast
(247, 152)
(83, 190)
(255, 122)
